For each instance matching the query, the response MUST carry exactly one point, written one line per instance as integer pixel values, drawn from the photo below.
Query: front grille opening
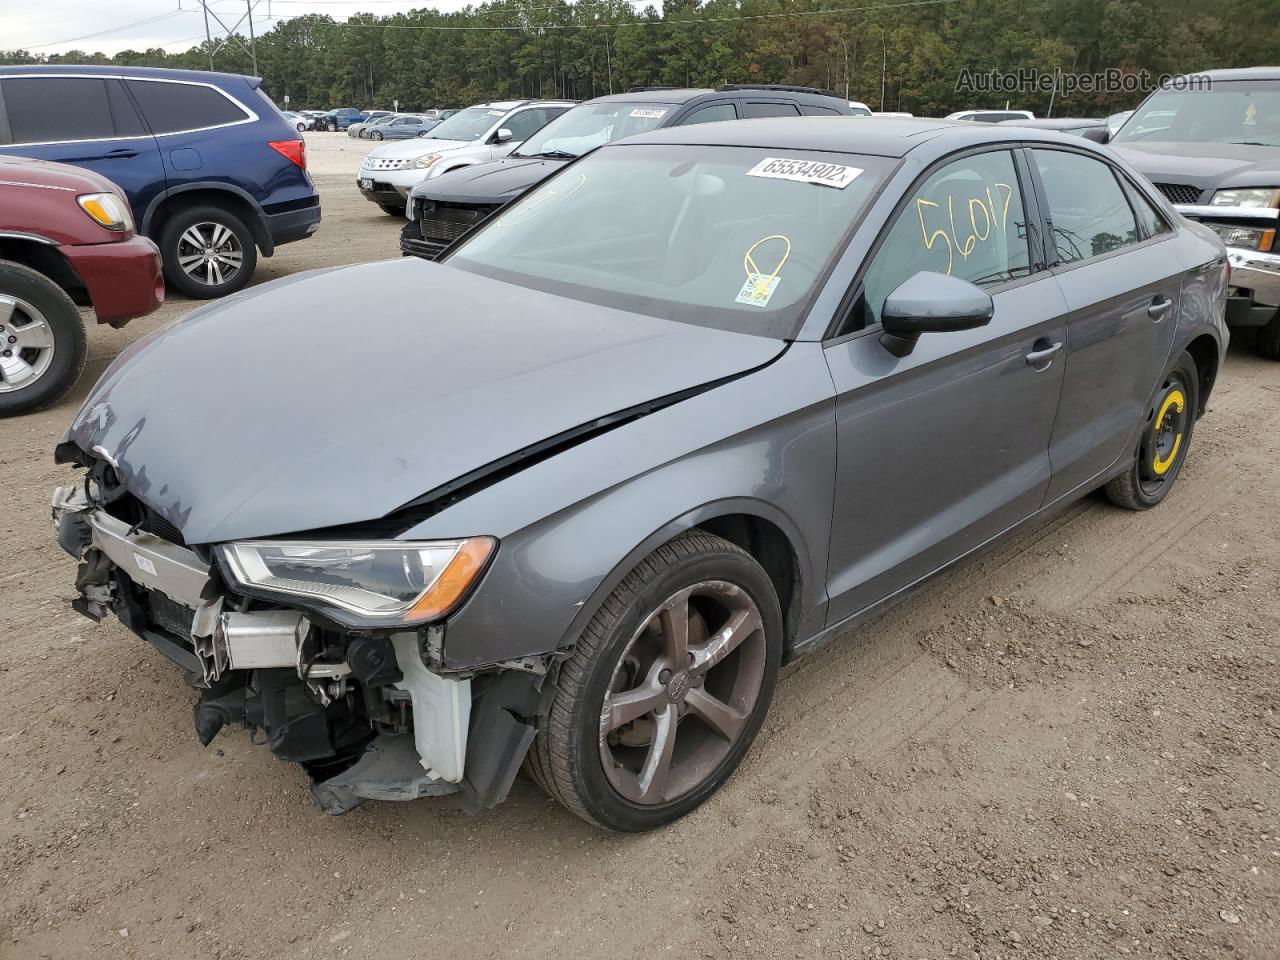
(1183, 193)
(134, 512)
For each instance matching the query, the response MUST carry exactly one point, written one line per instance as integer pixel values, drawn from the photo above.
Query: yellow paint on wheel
(1176, 400)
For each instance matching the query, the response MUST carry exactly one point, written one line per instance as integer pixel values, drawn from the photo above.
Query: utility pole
(884, 65)
(208, 37)
(253, 44)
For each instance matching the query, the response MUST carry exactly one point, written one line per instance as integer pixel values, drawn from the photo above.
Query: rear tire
(376, 135)
(619, 702)
(1164, 442)
(331, 127)
(41, 331)
(180, 240)
(1268, 342)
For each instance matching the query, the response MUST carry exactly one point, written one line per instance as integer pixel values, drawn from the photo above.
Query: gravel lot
(1066, 748)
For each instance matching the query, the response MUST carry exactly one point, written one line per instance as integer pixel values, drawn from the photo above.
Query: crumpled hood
(1217, 165)
(307, 403)
(495, 182)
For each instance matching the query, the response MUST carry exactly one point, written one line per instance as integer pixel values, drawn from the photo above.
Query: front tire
(665, 689)
(1164, 441)
(208, 252)
(376, 135)
(331, 127)
(1268, 342)
(42, 341)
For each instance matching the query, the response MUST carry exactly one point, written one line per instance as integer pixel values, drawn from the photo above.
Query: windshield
(730, 237)
(584, 128)
(468, 124)
(1228, 112)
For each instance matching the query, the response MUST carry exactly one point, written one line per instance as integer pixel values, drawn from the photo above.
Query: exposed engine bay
(368, 714)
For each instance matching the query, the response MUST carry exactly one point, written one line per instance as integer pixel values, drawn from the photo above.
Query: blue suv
(213, 171)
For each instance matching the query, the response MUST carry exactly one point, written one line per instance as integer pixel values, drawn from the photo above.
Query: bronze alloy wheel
(682, 692)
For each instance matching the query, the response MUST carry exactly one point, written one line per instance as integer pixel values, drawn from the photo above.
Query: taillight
(295, 150)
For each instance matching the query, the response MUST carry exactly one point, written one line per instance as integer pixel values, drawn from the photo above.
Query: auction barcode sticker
(806, 171)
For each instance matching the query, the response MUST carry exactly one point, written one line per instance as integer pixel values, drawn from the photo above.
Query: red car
(66, 238)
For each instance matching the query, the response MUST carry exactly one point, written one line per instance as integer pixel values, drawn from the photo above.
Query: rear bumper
(123, 279)
(293, 224)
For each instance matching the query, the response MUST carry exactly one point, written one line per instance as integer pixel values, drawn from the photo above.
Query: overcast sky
(55, 26)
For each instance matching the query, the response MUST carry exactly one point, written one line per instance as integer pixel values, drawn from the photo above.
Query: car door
(1121, 287)
(523, 124)
(88, 121)
(943, 449)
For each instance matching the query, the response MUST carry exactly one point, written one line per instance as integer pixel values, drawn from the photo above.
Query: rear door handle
(1043, 354)
(1159, 307)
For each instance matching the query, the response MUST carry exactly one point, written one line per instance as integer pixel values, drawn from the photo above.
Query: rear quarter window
(773, 109)
(813, 110)
(172, 107)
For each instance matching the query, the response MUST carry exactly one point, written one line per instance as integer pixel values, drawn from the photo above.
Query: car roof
(512, 104)
(158, 73)
(874, 136)
(683, 95)
(1243, 73)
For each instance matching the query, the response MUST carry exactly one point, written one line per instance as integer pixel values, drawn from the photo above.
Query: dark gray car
(699, 403)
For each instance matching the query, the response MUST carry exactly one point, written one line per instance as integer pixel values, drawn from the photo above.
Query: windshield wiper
(553, 155)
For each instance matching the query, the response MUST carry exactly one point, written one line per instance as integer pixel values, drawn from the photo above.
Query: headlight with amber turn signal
(380, 583)
(1261, 239)
(422, 163)
(107, 210)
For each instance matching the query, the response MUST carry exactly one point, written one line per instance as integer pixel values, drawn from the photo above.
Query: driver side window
(966, 220)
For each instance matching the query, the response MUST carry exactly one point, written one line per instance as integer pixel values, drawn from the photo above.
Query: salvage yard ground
(1066, 748)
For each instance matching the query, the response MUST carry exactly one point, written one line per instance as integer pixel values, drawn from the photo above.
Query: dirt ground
(1067, 748)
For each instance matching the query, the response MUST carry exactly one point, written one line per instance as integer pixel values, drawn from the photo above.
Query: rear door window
(52, 109)
(813, 110)
(171, 107)
(1088, 212)
(770, 109)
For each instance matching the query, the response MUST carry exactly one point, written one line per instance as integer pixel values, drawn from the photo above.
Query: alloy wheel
(26, 344)
(210, 253)
(682, 693)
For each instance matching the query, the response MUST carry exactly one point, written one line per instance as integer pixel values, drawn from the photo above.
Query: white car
(991, 116)
(477, 134)
(859, 109)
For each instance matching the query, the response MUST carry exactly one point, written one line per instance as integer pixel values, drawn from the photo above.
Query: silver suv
(488, 131)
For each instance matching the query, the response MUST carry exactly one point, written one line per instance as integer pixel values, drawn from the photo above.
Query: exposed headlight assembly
(368, 584)
(1262, 197)
(107, 210)
(1261, 239)
(424, 162)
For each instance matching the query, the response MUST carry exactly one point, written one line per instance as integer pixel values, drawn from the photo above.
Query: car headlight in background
(383, 582)
(1261, 239)
(424, 162)
(107, 210)
(1262, 197)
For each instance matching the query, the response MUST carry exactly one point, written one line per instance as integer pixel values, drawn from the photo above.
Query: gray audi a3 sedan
(704, 400)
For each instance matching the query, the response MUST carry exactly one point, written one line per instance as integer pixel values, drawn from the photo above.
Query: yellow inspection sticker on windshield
(757, 291)
(806, 171)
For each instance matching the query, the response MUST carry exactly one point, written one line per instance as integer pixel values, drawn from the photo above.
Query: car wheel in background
(1165, 439)
(376, 135)
(42, 340)
(301, 127)
(208, 252)
(665, 689)
(423, 133)
(392, 210)
(1268, 342)
(331, 127)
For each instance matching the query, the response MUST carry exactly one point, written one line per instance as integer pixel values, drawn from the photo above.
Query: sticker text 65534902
(806, 171)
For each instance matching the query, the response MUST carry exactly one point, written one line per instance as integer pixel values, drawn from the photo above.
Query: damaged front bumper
(364, 712)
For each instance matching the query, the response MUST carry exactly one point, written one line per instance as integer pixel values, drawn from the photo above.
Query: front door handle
(1159, 307)
(1042, 353)
(121, 154)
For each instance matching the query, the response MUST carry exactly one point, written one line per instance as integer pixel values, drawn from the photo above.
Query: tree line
(904, 55)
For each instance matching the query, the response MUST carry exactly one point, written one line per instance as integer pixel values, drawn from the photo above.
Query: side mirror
(931, 303)
(503, 135)
(1097, 134)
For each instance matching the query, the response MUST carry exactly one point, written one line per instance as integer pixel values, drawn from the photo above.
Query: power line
(100, 33)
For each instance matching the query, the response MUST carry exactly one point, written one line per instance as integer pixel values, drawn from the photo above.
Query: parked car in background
(1092, 129)
(377, 116)
(403, 126)
(700, 403)
(66, 240)
(1214, 152)
(859, 109)
(341, 118)
(990, 116)
(213, 172)
(475, 135)
(1116, 121)
(444, 208)
(315, 118)
(893, 114)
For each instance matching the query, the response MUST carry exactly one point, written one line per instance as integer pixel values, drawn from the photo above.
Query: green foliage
(914, 53)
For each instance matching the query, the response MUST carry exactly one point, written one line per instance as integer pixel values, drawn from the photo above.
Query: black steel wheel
(1164, 441)
(665, 690)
